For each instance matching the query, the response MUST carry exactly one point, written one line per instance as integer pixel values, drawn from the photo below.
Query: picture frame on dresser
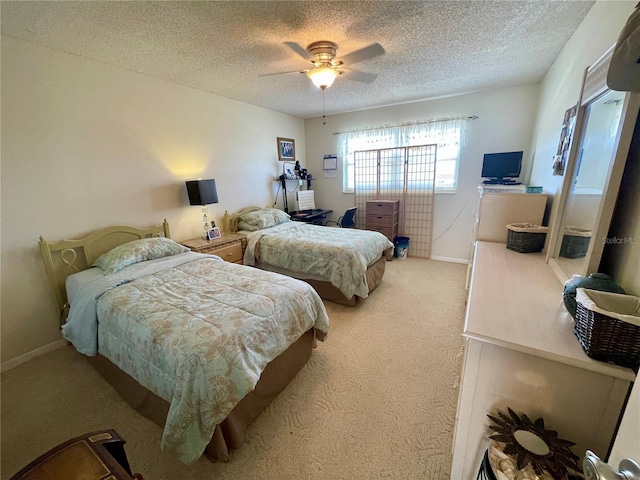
(214, 233)
(286, 149)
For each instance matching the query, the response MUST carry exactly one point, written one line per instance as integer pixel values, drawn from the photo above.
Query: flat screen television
(501, 167)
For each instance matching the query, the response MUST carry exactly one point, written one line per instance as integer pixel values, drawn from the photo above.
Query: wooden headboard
(230, 220)
(65, 257)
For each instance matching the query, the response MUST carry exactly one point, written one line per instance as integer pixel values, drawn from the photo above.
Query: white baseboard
(450, 259)
(14, 362)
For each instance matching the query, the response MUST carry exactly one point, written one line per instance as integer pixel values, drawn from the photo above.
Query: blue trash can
(401, 246)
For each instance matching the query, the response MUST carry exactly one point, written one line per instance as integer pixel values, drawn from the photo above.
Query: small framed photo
(214, 233)
(286, 149)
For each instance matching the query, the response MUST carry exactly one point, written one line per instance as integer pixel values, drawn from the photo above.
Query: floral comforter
(199, 335)
(338, 255)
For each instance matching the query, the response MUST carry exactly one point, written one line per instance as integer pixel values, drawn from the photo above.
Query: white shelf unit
(500, 206)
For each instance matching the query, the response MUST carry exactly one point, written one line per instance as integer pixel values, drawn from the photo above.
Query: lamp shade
(202, 192)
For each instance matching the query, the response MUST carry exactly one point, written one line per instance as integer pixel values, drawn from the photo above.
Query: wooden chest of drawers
(229, 247)
(382, 216)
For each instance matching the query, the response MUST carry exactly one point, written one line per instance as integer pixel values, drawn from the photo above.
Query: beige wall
(561, 85)
(85, 145)
(559, 91)
(506, 120)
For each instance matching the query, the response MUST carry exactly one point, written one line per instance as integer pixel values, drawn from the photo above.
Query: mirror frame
(558, 459)
(593, 87)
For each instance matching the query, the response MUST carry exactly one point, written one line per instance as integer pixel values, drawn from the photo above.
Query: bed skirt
(374, 274)
(231, 433)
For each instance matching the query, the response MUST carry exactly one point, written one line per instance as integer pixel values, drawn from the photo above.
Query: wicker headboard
(230, 220)
(65, 257)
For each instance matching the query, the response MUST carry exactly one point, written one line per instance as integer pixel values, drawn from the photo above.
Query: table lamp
(203, 192)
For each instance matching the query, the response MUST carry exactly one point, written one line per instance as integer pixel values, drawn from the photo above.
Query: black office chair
(348, 220)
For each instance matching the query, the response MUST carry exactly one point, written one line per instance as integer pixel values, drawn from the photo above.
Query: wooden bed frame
(70, 256)
(325, 289)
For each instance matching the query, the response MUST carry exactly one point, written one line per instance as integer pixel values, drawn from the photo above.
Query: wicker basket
(575, 242)
(608, 326)
(485, 472)
(525, 237)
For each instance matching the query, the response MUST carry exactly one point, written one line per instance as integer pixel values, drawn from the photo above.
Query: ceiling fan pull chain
(324, 115)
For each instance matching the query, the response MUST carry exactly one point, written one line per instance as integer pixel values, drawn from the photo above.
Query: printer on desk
(306, 200)
(307, 211)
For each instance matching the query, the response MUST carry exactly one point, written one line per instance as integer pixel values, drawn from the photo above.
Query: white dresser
(520, 352)
(499, 206)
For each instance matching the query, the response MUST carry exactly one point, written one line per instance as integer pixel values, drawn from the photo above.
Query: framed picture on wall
(566, 134)
(286, 149)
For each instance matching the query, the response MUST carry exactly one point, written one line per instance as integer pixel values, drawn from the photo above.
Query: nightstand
(94, 456)
(229, 247)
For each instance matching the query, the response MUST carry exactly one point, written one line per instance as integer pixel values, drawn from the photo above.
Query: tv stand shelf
(499, 181)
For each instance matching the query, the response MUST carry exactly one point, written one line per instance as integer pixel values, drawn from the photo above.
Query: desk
(315, 216)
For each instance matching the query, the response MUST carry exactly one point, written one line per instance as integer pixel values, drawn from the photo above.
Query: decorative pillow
(137, 251)
(260, 219)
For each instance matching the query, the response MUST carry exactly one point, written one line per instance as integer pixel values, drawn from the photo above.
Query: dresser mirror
(604, 128)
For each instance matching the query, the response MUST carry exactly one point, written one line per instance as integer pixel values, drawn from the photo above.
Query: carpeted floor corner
(377, 399)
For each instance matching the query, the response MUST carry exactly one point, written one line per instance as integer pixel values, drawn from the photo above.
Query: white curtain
(440, 132)
(449, 135)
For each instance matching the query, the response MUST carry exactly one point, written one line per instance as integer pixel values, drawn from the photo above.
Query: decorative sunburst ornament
(529, 443)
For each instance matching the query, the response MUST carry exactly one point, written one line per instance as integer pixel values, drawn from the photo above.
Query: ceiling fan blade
(373, 50)
(358, 76)
(282, 73)
(303, 52)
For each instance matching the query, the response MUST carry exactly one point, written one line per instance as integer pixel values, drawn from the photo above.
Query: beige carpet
(376, 400)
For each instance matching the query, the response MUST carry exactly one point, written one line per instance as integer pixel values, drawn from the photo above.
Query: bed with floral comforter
(191, 328)
(339, 256)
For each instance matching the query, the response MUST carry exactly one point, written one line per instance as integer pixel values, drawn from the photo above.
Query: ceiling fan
(326, 67)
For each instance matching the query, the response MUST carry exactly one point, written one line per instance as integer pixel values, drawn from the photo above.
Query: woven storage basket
(608, 326)
(525, 237)
(575, 242)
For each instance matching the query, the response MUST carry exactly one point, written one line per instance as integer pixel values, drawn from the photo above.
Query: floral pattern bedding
(339, 255)
(199, 335)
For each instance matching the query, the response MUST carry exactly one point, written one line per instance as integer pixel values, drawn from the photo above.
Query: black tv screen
(502, 165)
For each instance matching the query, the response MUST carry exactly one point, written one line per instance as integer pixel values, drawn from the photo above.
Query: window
(447, 134)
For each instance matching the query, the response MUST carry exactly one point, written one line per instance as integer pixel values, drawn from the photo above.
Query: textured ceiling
(433, 49)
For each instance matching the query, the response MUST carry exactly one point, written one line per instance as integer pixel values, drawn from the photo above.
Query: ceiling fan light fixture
(322, 77)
